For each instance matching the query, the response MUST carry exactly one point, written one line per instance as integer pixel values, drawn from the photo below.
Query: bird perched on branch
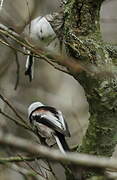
(41, 34)
(49, 123)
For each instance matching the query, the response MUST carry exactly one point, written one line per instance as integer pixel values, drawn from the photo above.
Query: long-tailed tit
(49, 123)
(41, 34)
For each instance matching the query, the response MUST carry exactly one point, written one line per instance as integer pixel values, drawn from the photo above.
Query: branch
(30, 166)
(26, 126)
(18, 69)
(12, 108)
(23, 171)
(54, 155)
(17, 159)
(72, 65)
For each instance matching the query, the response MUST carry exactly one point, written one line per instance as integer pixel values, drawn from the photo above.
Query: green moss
(103, 121)
(83, 41)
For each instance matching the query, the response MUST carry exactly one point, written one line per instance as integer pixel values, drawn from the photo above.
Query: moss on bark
(84, 42)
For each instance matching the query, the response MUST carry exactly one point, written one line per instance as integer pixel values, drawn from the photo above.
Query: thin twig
(24, 124)
(64, 61)
(52, 64)
(23, 171)
(37, 56)
(51, 170)
(17, 159)
(45, 168)
(15, 121)
(73, 65)
(17, 71)
(14, 48)
(27, 3)
(12, 108)
(5, 42)
(38, 173)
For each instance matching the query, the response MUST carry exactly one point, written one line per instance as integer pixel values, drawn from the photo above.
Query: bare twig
(45, 167)
(5, 42)
(23, 123)
(72, 65)
(26, 126)
(38, 173)
(37, 56)
(17, 159)
(51, 170)
(12, 108)
(14, 48)
(56, 67)
(23, 171)
(27, 3)
(55, 155)
(18, 70)
(26, 159)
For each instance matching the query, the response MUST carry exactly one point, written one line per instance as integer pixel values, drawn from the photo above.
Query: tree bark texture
(84, 42)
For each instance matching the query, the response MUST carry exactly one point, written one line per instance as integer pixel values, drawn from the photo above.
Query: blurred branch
(12, 108)
(54, 155)
(72, 65)
(17, 159)
(26, 126)
(18, 69)
(35, 55)
(23, 123)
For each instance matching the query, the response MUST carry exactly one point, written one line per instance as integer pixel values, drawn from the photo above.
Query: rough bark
(84, 42)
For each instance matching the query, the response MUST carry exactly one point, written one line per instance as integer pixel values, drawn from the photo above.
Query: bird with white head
(49, 123)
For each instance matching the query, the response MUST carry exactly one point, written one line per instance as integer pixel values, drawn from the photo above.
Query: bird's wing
(53, 121)
(60, 116)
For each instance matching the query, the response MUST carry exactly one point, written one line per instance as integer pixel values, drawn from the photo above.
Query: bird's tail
(61, 142)
(63, 146)
(30, 66)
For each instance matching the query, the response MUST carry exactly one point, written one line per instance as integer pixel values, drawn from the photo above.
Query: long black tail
(61, 142)
(63, 146)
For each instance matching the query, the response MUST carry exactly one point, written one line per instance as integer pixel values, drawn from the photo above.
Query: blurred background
(49, 86)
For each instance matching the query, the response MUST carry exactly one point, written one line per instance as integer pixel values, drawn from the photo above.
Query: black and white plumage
(30, 66)
(41, 35)
(50, 123)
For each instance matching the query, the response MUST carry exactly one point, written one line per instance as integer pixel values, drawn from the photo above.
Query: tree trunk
(84, 43)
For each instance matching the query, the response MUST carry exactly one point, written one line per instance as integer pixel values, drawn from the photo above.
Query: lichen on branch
(84, 42)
